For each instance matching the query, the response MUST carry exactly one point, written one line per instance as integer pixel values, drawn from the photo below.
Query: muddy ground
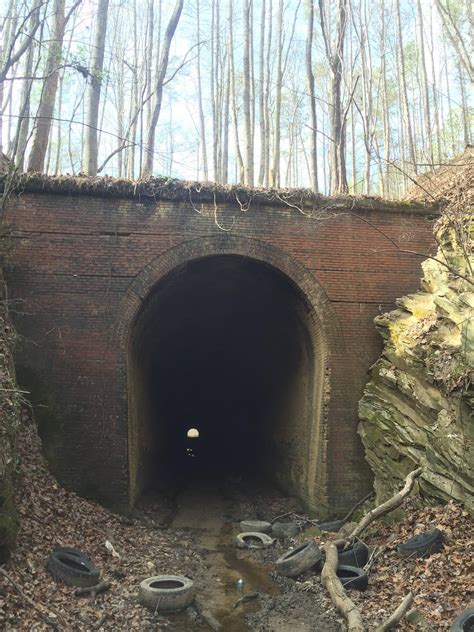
(209, 516)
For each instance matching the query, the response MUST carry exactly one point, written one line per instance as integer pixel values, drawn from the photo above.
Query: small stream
(201, 513)
(218, 592)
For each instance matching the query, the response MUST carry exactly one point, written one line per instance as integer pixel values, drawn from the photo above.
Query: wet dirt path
(203, 514)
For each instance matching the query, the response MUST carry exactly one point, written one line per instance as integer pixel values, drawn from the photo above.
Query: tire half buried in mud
(300, 559)
(166, 593)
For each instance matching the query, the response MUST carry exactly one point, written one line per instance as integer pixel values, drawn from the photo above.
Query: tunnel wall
(78, 268)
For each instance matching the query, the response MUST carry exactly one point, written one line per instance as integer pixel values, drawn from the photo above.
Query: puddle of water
(229, 566)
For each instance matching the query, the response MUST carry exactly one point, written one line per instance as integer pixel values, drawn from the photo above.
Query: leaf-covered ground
(443, 584)
(50, 517)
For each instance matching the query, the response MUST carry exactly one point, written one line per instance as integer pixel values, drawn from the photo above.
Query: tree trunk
(335, 54)
(312, 100)
(428, 141)
(455, 38)
(235, 120)
(275, 171)
(202, 126)
(95, 87)
(248, 161)
(412, 168)
(162, 68)
(48, 94)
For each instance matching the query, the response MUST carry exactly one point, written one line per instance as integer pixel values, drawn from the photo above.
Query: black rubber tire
(422, 545)
(282, 530)
(77, 553)
(465, 622)
(166, 593)
(356, 555)
(301, 558)
(352, 577)
(72, 569)
(259, 526)
(333, 526)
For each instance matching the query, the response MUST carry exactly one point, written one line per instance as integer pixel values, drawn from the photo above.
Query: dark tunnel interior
(222, 344)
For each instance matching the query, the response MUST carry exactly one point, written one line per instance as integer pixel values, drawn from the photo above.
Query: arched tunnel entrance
(229, 347)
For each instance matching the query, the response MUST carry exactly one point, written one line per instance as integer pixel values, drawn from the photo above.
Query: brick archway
(306, 473)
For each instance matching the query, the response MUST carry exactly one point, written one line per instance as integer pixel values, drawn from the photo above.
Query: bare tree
(45, 111)
(158, 92)
(455, 37)
(337, 118)
(249, 157)
(202, 126)
(312, 99)
(16, 38)
(95, 86)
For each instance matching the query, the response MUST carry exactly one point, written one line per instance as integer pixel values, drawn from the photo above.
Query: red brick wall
(69, 261)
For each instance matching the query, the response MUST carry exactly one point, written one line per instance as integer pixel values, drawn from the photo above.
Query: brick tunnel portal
(227, 345)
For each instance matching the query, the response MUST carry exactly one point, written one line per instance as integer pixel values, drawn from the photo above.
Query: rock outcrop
(418, 406)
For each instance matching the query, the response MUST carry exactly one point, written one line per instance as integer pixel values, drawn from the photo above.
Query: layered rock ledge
(417, 408)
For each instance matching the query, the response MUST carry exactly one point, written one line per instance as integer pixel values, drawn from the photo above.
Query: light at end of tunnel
(193, 433)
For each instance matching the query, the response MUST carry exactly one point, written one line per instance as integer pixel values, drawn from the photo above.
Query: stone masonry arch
(306, 475)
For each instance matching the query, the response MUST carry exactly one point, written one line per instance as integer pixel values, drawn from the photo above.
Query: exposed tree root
(385, 508)
(398, 615)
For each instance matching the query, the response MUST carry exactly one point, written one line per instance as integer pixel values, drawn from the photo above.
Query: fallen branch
(333, 585)
(398, 615)
(95, 590)
(212, 622)
(329, 578)
(385, 508)
(296, 516)
(357, 505)
(46, 617)
(248, 597)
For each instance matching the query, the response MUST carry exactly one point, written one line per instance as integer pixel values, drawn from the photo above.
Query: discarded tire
(332, 527)
(166, 593)
(253, 540)
(72, 567)
(299, 559)
(352, 577)
(465, 622)
(355, 555)
(76, 553)
(422, 545)
(283, 530)
(259, 526)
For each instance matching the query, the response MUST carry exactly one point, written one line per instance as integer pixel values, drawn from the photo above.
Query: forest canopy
(340, 96)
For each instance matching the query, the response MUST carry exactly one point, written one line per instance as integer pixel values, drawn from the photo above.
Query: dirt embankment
(9, 424)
